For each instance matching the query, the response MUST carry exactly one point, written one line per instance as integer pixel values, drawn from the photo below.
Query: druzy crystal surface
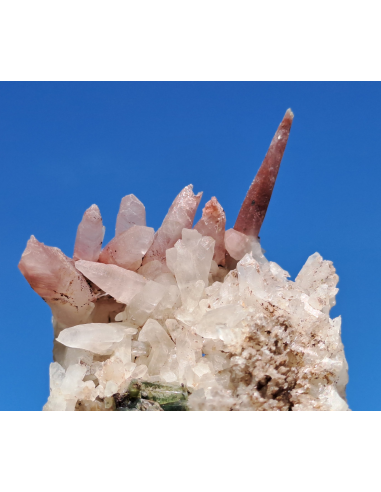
(190, 317)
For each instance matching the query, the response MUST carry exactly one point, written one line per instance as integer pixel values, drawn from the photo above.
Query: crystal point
(128, 248)
(54, 277)
(131, 212)
(95, 337)
(254, 207)
(90, 233)
(180, 215)
(212, 223)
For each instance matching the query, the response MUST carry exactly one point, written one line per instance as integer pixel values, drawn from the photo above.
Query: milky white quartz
(190, 261)
(94, 337)
(145, 301)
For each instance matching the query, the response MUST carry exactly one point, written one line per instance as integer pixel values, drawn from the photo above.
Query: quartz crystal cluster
(190, 317)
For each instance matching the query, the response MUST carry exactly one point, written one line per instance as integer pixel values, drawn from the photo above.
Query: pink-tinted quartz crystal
(54, 277)
(119, 283)
(237, 244)
(254, 207)
(180, 216)
(90, 232)
(131, 212)
(128, 248)
(212, 223)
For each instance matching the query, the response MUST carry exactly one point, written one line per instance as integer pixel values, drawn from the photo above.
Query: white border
(214, 451)
(188, 40)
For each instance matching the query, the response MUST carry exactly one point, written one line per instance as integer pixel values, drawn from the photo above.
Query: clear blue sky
(65, 146)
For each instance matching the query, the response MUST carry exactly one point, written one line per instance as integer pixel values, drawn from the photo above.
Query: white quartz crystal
(143, 303)
(190, 261)
(94, 337)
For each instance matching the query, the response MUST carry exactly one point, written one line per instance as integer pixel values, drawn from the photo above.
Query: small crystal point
(90, 232)
(237, 244)
(95, 337)
(180, 216)
(128, 248)
(212, 223)
(131, 212)
(254, 207)
(53, 276)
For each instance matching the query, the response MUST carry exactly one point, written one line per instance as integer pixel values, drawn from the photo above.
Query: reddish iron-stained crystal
(254, 207)
(54, 277)
(212, 223)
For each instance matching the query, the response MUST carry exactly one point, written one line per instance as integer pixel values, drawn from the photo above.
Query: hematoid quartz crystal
(190, 317)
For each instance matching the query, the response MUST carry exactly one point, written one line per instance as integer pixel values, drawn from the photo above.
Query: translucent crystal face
(189, 318)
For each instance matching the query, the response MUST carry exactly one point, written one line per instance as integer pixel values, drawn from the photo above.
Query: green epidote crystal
(144, 395)
(109, 403)
(163, 393)
(140, 405)
(177, 406)
(134, 389)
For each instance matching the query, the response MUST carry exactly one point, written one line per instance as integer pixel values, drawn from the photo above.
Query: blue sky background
(64, 146)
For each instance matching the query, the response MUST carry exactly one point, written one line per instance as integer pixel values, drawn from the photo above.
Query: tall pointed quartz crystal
(131, 212)
(53, 276)
(254, 207)
(128, 248)
(212, 223)
(180, 216)
(90, 233)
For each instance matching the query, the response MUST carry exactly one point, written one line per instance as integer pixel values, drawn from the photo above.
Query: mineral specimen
(189, 319)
